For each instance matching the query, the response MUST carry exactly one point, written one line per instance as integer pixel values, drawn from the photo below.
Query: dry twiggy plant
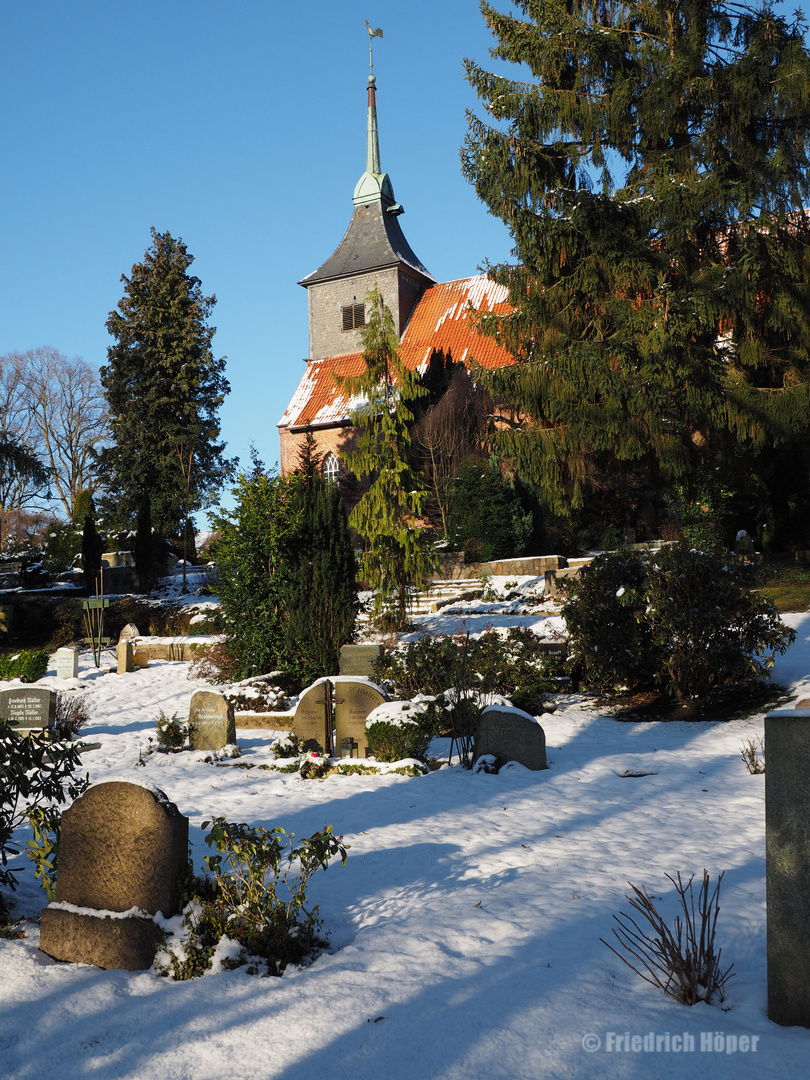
(682, 961)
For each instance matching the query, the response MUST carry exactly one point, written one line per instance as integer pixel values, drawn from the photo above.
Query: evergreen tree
(164, 389)
(322, 587)
(397, 551)
(653, 175)
(252, 553)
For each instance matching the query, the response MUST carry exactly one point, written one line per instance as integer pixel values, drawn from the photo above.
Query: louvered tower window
(354, 316)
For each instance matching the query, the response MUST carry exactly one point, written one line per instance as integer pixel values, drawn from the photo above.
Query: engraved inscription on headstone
(211, 721)
(510, 734)
(309, 722)
(67, 662)
(28, 707)
(122, 846)
(354, 700)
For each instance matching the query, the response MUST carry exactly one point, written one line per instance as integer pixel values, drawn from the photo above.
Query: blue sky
(240, 127)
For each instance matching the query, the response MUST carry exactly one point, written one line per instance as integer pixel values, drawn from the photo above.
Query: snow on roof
(441, 320)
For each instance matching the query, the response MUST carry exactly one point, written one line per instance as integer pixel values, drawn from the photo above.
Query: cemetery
(446, 870)
(470, 740)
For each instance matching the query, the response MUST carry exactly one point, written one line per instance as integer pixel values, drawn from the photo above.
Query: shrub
(27, 665)
(682, 961)
(35, 774)
(753, 755)
(256, 899)
(170, 732)
(71, 715)
(401, 729)
(679, 620)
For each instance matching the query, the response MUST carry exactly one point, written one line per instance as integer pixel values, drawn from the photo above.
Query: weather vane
(372, 34)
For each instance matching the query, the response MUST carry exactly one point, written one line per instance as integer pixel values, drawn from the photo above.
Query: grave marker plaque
(28, 708)
(510, 735)
(211, 721)
(359, 659)
(354, 700)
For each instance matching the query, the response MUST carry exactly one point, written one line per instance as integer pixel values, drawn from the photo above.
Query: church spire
(374, 185)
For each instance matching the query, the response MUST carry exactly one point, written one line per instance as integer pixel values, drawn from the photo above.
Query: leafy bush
(256, 900)
(27, 665)
(35, 774)
(493, 663)
(679, 620)
(403, 729)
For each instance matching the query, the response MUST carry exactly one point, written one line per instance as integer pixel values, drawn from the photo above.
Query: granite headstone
(211, 721)
(122, 846)
(510, 734)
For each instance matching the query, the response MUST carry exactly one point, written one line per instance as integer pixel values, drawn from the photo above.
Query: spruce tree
(653, 172)
(164, 389)
(397, 551)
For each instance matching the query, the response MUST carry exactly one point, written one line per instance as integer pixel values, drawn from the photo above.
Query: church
(429, 315)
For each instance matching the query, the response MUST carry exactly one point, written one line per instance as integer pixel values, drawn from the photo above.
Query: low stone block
(124, 654)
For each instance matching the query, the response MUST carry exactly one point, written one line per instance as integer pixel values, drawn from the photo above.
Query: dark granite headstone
(354, 700)
(28, 708)
(122, 846)
(211, 721)
(510, 734)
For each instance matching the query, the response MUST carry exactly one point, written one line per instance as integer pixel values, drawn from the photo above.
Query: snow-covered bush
(170, 732)
(680, 620)
(400, 729)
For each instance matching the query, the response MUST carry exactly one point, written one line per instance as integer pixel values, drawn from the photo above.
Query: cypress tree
(653, 173)
(164, 388)
(322, 591)
(397, 552)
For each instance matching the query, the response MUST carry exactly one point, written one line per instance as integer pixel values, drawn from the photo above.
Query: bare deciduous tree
(68, 418)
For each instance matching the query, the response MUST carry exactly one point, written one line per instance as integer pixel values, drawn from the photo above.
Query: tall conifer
(164, 389)
(397, 552)
(653, 171)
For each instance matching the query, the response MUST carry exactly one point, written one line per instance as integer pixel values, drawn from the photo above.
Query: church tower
(373, 251)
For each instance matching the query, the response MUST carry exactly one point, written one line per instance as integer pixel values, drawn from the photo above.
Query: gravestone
(510, 734)
(309, 722)
(354, 700)
(787, 865)
(129, 632)
(210, 720)
(28, 708)
(122, 846)
(124, 656)
(359, 659)
(67, 662)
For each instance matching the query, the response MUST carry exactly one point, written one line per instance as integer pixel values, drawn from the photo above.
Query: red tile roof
(439, 321)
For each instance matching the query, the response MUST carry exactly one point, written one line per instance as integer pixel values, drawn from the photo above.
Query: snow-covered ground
(464, 929)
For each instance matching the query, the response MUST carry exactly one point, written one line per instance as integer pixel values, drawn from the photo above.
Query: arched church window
(330, 468)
